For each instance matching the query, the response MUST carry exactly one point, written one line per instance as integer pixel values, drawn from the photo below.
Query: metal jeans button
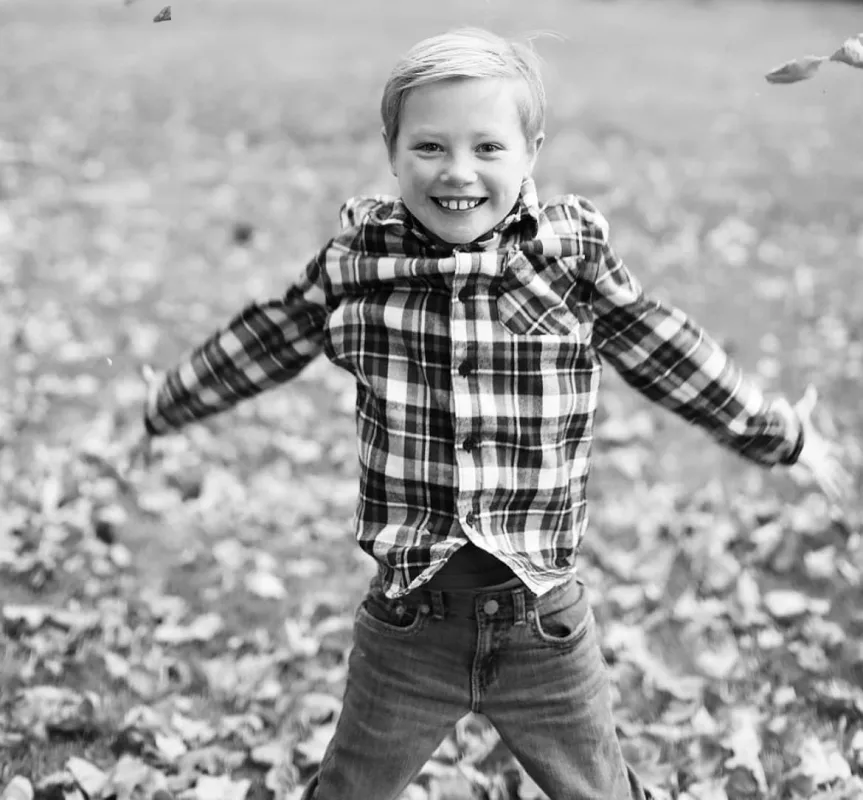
(491, 607)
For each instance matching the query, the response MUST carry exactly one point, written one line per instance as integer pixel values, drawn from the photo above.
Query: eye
(490, 147)
(427, 147)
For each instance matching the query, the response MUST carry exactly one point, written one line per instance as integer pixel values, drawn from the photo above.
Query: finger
(806, 404)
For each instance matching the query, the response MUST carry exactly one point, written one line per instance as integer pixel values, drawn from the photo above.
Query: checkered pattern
(477, 371)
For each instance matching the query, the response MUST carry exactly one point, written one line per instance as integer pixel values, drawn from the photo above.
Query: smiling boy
(472, 319)
(460, 154)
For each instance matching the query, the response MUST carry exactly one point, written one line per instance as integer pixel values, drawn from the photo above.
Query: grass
(141, 145)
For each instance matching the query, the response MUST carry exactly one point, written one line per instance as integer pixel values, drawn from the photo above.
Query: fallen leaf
(221, 787)
(19, 788)
(169, 746)
(43, 709)
(131, 775)
(820, 763)
(29, 618)
(88, 776)
(786, 605)
(746, 772)
(193, 731)
(310, 753)
(267, 754)
(712, 789)
(820, 564)
(202, 629)
(164, 15)
(265, 585)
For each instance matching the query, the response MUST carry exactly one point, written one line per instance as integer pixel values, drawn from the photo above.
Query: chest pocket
(542, 296)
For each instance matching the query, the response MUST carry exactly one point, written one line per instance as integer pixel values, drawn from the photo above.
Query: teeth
(459, 205)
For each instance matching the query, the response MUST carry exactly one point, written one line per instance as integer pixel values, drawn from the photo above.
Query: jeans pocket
(393, 617)
(564, 627)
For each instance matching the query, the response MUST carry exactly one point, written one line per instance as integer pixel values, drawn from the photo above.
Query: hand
(821, 458)
(135, 449)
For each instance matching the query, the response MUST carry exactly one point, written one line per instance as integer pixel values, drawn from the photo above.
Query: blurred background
(155, 177)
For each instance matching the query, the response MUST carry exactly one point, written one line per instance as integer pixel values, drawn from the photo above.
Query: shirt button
(469, 443)
(464, 294)
(470, 518)
(491, 607)
(465, 367)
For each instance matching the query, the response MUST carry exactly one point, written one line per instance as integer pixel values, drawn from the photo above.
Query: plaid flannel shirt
(477, 370)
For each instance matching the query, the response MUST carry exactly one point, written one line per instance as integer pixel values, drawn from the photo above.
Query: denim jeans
(531, 665)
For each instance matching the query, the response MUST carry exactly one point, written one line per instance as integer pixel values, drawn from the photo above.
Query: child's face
(462, 140)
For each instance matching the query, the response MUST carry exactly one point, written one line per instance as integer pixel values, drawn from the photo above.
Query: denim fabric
(531, 665)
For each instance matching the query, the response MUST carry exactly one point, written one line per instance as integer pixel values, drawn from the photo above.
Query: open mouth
(459, 204)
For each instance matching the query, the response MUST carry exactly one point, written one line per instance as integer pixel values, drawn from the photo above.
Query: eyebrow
(432, 133)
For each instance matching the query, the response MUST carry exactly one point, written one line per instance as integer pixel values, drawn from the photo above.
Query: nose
(459, 172)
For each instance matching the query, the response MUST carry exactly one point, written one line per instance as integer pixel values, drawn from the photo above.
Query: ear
(389, 151)
(533, 149)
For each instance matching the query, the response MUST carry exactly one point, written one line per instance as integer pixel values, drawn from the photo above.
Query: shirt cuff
(151, 406)
(798, 446)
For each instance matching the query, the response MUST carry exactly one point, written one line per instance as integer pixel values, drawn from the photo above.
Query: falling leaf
(797, 70)
(164, 15)
(851, 52)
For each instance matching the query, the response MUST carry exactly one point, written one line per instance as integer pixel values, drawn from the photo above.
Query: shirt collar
(525, 213)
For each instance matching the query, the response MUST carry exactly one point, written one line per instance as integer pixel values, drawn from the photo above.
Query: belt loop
(437, 605)
(518, 605)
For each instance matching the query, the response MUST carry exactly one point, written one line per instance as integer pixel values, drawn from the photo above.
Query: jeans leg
(551, 703)
(406, 688)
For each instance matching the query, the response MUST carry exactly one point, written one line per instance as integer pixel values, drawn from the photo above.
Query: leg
(407, 686)
(551, 703)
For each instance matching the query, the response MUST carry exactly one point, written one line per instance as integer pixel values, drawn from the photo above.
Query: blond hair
(465, 53)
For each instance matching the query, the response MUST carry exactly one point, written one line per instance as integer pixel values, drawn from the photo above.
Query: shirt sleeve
(672, 361)
(264, 345)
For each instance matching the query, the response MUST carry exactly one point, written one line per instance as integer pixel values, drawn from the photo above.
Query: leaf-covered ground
(189, 631)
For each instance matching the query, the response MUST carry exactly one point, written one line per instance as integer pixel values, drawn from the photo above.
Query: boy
(472, 319)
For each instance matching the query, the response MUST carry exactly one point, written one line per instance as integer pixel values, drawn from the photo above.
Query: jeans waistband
(511, 600)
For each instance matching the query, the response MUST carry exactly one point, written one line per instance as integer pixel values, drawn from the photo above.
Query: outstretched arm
(672, 361)
(264, 345)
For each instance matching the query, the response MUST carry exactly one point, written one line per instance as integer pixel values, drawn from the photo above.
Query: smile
(459, 204)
